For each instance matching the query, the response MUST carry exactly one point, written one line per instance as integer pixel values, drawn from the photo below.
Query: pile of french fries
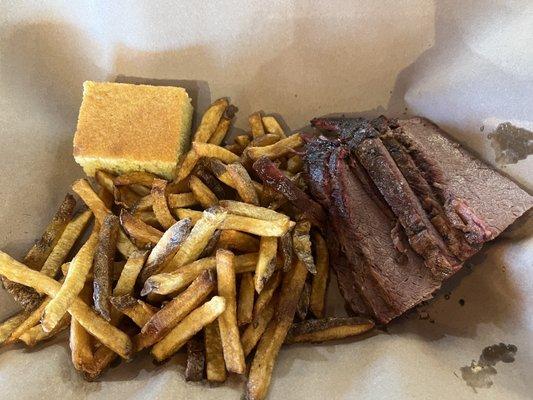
(214, 263)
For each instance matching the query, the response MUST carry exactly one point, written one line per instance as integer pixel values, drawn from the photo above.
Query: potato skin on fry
(140, 232)
(160, 205)
(215, 366)
(194, 368)
(321, 330)
(210, 120)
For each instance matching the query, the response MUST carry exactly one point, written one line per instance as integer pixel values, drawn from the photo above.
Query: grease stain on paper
(479, 374)
(511, 143)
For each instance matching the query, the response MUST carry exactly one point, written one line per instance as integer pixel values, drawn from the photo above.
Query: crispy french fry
(215, 367)
(240, 223)
(285, 245)
(265, 140)
(242, 140)
(237, 241)
(266, 263)
(256, 123)
(227, 323)
(105, 180)
(139, 311)
(73, 284)
(303, 303)
(135, 178)
(36, 334)
(243, 183)
(234, 148)
(274, 336)
(245, 305)
(256, 328)
(267, 293)
(8, 326)
(148, 217)
(107, 197)
(125, 197)
(80, 341)
(203, 172)
(103, 265)
(166, 248)
(220, 170)
(211, 245)
(179, 200)
(128, 276)
(174, 311)
(31, 320)
(321, 278)
(202, 193)
(276, 150)
(272, 126)
(40, 251)
(140, 232)
(188, 327)
(321, 330)
(252, 211)
(187, 165)
(295, 164)
(195, 243)
(301, 242)
(194, 368)
(210, 120)
(143, 204)
(110, 336)
(166, 283)
(91, 199)
(160, 205)
(211, 150)
(223, 125)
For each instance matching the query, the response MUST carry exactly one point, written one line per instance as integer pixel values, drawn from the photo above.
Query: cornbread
(124, 128)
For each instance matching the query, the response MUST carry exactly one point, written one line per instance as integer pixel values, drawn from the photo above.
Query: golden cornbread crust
(124, 127)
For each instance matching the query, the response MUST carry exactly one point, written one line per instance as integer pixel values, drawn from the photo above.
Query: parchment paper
(462, 64)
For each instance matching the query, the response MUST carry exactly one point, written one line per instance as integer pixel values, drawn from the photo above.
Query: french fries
(8, 326)
(267, 293)
(266, 263)
(179, 200)
(175, 310)
(256, 123)
(194, 368)
(73, 284)
(227, 323)
(139, 311)
(255, 330)
(286, 250)
(188, 327)
(129, 274)
(237, 241)
(166, 247)
(105, 180)
(301, 242)
(321, 278)
(141, 233)
(219, 169)
(210, 120)
(104, 257)
(215, 366)
(29, 322)
(36, 334)
(265, 140)
(245, 305)
(202, 193)
(213, 151)
(303, 303)
(252, 211)
(160, 205)
(223, 125)
(80, 341)
(322, 330)
(272, 126)
(242, 140)
(110, 336)
(211, 245)
(274, 336)
(243, 183)
(295, 164)
(276, 150)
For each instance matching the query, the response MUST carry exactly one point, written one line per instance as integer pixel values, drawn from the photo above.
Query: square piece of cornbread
(124, 127)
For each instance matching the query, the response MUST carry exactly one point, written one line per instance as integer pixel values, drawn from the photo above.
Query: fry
(242, 140)
(36, 334)
(276, 150)
(245, 305)
(90, 198)
(80, 342)
(110, 336)
(202, 193)
(321, 330)
(139, 311)
(223, 125)
(227, 323)
(211, 150)
(40, 251)
(220, 170)
(268, 247)
(203, 172)
(104, 257)
(255, 330)
(256, 123)
(159, 204)
(195, 243)
(210, 120)
(73, 284)
(174, 311)
(215, 367)
(265, 140)
(243, 183)
(187, 165)
(295, 164)
(166, 248)
(301, 242)
(125, 197)
(252, 211)
(31, 320)
(285, 245)
(179, 200)
(166, 283)
(8, 326)
(303, 303)
(140, 232)
(194, 368)
(128, 276)
(240, 223)
(234, 148)
(71, 234)
(135, 178)
(143, 204)
(321, 278)
(267, 293)
(105, 180)
(107, 197)
(188, 327)
(148, 217)
(274, 336)
(237, 241)
(211, 245)
(272, 126)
